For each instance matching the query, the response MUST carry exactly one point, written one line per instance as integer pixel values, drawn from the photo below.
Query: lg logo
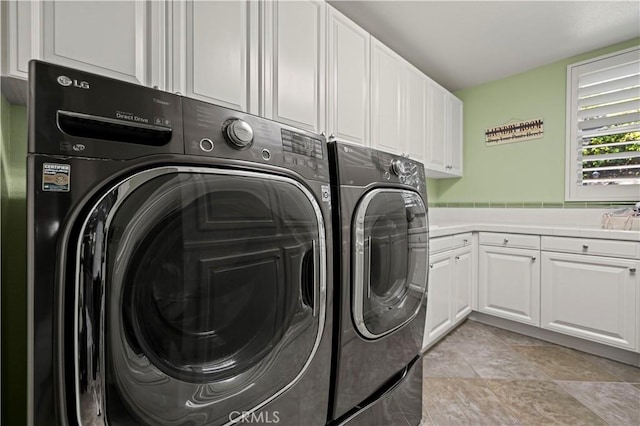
(65, 81)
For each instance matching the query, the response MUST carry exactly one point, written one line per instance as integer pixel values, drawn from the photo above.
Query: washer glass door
(200, 292)
(390, 260)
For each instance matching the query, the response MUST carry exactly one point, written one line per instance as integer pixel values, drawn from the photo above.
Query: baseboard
(616, 354)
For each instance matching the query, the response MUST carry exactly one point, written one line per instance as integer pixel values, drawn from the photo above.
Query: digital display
(301, 144)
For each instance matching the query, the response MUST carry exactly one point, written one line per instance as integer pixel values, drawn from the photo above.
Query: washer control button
(206, 145)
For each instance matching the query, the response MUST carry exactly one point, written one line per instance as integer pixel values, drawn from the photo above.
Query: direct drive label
(56, 177)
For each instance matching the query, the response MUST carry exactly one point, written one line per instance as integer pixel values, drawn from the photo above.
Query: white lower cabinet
(591, 297)
(439, 315)
(509, 283)
(462, 282)
(450, 288)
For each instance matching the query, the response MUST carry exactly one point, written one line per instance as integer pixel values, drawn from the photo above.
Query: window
(603, 128)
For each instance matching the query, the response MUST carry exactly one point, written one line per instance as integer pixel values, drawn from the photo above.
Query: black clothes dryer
(179, 260)
(381, 263)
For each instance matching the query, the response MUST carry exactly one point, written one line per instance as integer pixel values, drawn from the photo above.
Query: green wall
(529, 171)
(13, 130)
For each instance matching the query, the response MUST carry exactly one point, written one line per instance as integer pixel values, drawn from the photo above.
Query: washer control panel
(301, 144)
(219, 132)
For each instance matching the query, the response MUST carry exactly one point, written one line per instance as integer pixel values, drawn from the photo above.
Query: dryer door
(390, 260)
(200, 293)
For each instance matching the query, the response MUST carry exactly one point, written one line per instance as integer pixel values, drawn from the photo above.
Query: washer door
(390, 259)
(200, 293)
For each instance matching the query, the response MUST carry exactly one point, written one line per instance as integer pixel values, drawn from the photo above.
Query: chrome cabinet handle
(632, 270)
(431, 266)
(585, 247)
(533, 258)
(465, 241)
(457, 257)
(506, 240)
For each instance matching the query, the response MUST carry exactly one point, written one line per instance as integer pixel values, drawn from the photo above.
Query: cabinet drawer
(461, 240)
(510, 240)
(614, 248)
(437, 245)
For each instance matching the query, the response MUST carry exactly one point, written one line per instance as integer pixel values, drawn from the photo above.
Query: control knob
(399, 168)
(239, 133)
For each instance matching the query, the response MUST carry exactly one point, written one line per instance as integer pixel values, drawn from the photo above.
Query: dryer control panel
(361, 166)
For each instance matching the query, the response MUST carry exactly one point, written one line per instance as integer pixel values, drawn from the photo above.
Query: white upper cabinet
(117, 39)
(387, 86)
(435, 146)
(416, 114)
(454, 113)
(348, 80)
(215, 52)
(294, 63)
(444, 139)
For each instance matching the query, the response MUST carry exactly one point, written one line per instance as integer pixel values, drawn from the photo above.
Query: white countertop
(445, 229)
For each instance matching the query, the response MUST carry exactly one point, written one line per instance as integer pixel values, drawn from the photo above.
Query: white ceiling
(462, 44)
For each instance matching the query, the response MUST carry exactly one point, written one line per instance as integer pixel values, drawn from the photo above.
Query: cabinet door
(215, 52)
(416, 114)
(294, 71)
(509, 284)
(387, 83)
(23, 32)
(591, 297)
(439, 293)
(348, 80)
(454, 138)
(462, 279)
(116, 39)
(436, 128)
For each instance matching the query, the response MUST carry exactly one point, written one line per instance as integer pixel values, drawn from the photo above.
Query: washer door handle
(316, 278)
(369, 260)
(309, 278)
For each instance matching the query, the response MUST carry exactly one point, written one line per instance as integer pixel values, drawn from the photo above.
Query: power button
(206, 144)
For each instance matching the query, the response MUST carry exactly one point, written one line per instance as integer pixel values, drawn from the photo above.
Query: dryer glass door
(200, 293)
(390, 256)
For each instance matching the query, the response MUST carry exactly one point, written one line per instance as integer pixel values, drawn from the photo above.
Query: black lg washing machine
(179, 259)
(381, 248)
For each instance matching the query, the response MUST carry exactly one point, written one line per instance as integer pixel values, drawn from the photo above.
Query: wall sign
(514, 132)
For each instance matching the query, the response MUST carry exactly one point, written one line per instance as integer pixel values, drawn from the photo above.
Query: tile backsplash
(560, 216)
(540, 205)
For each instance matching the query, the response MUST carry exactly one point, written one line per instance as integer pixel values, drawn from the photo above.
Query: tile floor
(482, 375)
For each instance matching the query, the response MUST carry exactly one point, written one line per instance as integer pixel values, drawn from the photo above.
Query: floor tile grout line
(584, 404)
(518, 355)
(581, 355)
(577, 352)
(501, 342)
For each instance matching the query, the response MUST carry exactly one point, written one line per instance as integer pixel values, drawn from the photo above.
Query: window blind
(607, 116)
